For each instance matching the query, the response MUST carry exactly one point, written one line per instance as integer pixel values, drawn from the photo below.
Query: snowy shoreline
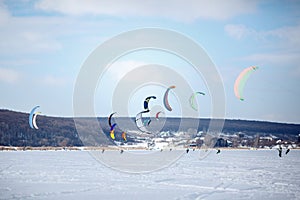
(117, 148)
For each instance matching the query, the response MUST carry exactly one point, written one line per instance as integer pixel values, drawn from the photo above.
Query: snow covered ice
(232, 174)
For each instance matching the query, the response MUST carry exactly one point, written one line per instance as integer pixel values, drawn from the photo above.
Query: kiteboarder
(279, 151)
(218, 151)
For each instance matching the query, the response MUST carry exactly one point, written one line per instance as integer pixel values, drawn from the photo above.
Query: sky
(44, 43)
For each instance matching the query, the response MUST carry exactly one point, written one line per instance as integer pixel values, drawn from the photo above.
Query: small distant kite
(241, 81)
(124, 136)
(166, 101)
(32, 118)
(157, 114)
(112, 126)
(192, 100)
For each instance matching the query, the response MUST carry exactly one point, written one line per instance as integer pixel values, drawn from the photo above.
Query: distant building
(221, 143)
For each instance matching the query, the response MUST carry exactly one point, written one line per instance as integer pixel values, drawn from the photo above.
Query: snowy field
(232, 174)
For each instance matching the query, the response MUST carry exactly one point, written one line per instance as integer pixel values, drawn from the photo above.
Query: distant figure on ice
(187, 150)
(121, 151)
(280, 151)
(287, 151)
(103, 150)
(218, 151)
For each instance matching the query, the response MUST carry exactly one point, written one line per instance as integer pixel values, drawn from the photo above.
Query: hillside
(58, 131)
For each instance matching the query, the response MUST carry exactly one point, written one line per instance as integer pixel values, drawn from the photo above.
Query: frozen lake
(232, 174)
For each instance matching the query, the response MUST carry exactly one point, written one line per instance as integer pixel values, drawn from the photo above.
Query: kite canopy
(140, 122)
(146, 102)
(109, 118)
(112, 134)
(31, 116)
(166, 101)
(241, 81)
(34, 120)
(157, 114)
(147, 122)
(124, 136)
(192, 100)
(112, 126)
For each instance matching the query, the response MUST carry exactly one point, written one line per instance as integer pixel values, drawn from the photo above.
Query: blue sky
(45, 42)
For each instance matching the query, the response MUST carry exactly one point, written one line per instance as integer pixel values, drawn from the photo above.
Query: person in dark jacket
(287, 151)
(279, 151)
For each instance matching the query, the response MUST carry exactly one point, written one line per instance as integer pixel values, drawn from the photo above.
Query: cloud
(238, 31)
(120, 68)
(189, 10)
(35, 32)
(28, 34)
(283, 37)
(9, 75)
(22, 36)
(17, 62)
(55, 81)
(281, 46)
(4, 14)
(273, 58)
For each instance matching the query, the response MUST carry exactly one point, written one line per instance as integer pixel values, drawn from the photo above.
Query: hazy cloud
(51, 80)
(120, 68)
(4, 14)
(179, 10)
(238, 31)
(281, 46)
(286, 36)
(9, 75)
(274, 58)
(27, 34)
(17, 62)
